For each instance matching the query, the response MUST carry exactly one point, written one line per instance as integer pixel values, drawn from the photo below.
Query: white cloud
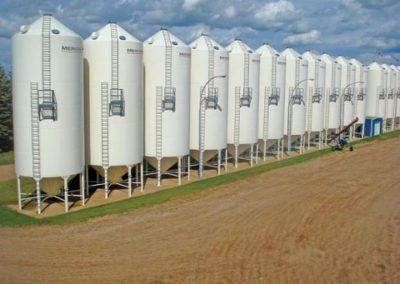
(230, 12)
(275, 14)
(189, 5)
(303, 38)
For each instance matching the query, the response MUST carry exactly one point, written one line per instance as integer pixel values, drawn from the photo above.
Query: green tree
(6, 128)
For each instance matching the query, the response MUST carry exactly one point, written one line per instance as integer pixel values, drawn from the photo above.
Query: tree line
(6, 127)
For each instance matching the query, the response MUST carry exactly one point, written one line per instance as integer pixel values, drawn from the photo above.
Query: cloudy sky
(366, 29)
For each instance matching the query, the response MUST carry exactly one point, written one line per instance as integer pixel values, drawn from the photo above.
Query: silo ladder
(237, 116)
(117, 101)
(35, 123)
(169, 100)
(47, 103)
(159, 111)
(104, 125)
(266, 113)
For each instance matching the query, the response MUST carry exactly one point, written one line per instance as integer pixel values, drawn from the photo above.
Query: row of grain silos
(109, 111)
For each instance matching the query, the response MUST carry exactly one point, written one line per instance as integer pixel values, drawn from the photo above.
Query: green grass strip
(7, 158)
(10, 218)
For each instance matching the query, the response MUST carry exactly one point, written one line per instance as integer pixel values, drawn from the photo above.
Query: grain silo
(361, 73)
(208, 102)
(296, 83)
(315, 99)
(391, 100)
(384, 97)
(167, 104)
(332, 89)
(244, 67)
(113, 67)
(48, 109)
(347, 93)
(375, 90)
(397, 100)
(271, 100)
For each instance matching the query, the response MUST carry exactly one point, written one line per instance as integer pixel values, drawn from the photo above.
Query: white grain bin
(361, 74)
(315, 98)
(295, 93)
(397, 96)
(375, 90)
(332, 102)
(209, 69)
(384, 99)
(167, 102)
(243, 84)
(391, 95)
(113, 65)
(271, 100)
(347, 92)
(48, 106)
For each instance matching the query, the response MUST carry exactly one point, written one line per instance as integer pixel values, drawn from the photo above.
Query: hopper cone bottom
(295, 138)
(165, 165)
(270, 143)
(52, 185)
(207, 155)
(241, 149)
(114, 174)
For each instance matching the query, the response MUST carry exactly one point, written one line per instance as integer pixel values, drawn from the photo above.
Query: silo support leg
(326, 137)
(38, 197)
(301, 144)
(66, 194)
(282, 147)
(105, 183)
(130, 180)
(278, 148)
(83, 188)
(251, 154)
(236, 156)
(188, 167)
(265, 150)
(219, 162)
(257, 153)
(179, 170)
(158, 172)
(308, 140)
(19, 193)
(141, 178)
(87, 180)
(226, 160)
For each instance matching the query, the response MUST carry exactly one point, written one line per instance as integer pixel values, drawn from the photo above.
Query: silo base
(211, 159)
(316, 138)
(114, 176)
(164, 166)
(239, 152)
(51, 188)
(296, 141)
(268, 146)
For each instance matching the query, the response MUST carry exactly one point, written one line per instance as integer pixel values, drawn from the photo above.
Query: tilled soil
(331, 220)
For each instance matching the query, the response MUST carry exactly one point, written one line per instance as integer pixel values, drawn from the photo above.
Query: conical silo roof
(201, 43)
(105, 34)
(56, 27)
(158, 39)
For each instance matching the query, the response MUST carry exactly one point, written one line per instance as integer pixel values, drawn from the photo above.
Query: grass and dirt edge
(11, 218)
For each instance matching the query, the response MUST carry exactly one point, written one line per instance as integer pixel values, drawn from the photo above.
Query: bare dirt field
(331, 220)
